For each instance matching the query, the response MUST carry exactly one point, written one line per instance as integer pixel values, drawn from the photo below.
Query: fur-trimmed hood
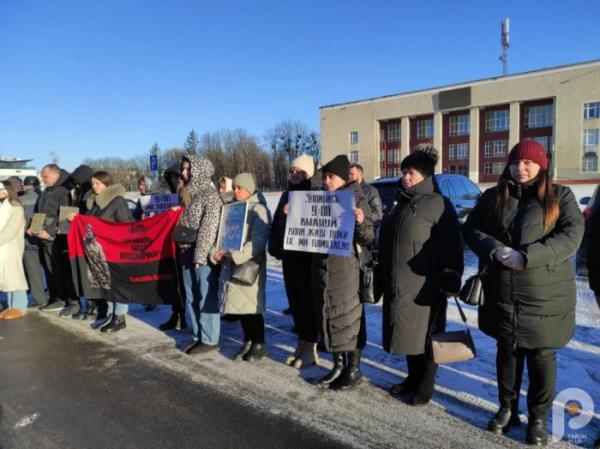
(105, 197)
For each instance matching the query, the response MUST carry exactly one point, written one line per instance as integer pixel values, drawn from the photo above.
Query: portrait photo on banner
(232, 227)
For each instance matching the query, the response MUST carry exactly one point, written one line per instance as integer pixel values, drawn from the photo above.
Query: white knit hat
(306, 164)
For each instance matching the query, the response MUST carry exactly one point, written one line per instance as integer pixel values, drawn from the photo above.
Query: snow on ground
(465, 397)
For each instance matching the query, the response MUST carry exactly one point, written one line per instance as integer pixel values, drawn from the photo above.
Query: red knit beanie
(531, 150)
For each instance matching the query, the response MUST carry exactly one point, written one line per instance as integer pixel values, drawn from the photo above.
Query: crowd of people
(525, 231)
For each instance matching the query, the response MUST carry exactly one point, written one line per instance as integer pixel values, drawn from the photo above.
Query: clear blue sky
(87, 78)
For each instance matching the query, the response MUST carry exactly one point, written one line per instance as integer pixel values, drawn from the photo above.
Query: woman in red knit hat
(525, 231)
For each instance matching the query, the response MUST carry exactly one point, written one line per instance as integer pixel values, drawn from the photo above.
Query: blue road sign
(153, 163)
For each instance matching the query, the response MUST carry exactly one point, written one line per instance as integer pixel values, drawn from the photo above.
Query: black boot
(406, 387)
(425, 383)
(243, 350)
(351, 375)
(171, 323)
(537, 434)
(336, 371)
(515, 421)
(101, 321)
(257, 351)
(500, 422)
(115, 325)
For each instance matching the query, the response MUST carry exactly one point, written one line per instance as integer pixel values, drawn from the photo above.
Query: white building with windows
(474, 124)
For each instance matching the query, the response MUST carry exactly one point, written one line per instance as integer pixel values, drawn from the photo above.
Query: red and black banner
(125, 262)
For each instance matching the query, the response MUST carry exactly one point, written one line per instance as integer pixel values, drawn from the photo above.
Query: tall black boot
(537, 434)
(116, 324)
(351, 375)
(424, 390)
(336, 371)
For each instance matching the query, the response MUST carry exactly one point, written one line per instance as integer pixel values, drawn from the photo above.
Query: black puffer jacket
(335, 283)
(110, 204)
(420, 247)
(50, 201)
(534, 307)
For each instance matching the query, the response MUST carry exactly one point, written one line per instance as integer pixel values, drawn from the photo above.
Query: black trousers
(541, 368)
(296, 276)
(55, 258)
(253, 327)
(35, 275)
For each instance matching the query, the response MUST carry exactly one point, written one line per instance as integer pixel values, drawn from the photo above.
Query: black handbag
(472, 292)
(183, 234)
(246, 273)
(366, 267)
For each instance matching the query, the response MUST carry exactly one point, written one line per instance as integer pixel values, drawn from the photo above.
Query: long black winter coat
(420, 241)
(335, 283)
(592, 249)
(534, 307)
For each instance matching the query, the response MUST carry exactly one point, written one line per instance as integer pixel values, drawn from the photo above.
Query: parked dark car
(460, 190)
(590, 202)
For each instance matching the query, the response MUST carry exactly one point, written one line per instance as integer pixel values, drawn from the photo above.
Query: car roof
(396, 179)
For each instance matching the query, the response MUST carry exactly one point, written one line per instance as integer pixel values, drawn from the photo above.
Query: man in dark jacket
(371, 193)
(54, 247)
(31, 255)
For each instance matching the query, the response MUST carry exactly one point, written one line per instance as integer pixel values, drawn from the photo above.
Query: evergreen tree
(191, 143)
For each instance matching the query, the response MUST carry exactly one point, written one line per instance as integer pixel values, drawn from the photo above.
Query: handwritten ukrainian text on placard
(320, 222)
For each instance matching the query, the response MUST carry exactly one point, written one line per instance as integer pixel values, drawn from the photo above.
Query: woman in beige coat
(12, 245)
(247, 302)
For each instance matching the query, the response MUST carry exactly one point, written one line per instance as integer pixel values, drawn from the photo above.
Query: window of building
(498, 168)
(459, 125)
(543, 140)
(397, 171)
(381, 134)
(488, 149)
(500, 148)
(390, 157)
(354, 157)
(390, 172)
(591, 110)
(591, 137)
(353, 137)
(589, 162)
(425, 129)
(487, 168)
(397, 156)
(462, 151)
(451, 151)
(496, 121)
(393, 132)
(382, 156)
(539, 116)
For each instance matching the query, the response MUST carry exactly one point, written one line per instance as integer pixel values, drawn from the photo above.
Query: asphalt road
(60, 390)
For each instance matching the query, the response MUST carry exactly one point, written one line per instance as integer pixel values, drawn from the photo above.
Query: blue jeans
(118, 308)
(201, 298)
(17, 300)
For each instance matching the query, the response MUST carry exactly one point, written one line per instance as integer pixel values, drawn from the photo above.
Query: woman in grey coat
(421, 262)
(525, 232)
(335, 281)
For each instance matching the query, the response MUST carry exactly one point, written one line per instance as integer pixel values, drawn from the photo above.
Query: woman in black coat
(525, 231)
(335, 282)
(421, 262)
(295, 273)
(107, 202)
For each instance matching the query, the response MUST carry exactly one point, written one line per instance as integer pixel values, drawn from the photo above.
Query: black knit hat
(423, 159)
(339, 165)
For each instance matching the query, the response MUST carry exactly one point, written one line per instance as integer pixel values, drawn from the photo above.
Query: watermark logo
(572, 410)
